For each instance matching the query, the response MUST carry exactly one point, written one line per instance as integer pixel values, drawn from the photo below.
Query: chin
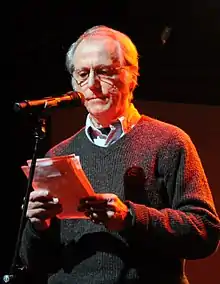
(103, 115)
(98, 109)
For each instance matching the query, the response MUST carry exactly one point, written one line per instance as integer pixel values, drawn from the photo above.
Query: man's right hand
(42, 206)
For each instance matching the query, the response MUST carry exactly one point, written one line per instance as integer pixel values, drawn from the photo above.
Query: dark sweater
(175, 218)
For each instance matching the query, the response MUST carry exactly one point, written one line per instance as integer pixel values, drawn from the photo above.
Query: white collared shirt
(117, 129)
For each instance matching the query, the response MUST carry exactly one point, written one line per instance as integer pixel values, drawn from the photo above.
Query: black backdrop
(35, 36)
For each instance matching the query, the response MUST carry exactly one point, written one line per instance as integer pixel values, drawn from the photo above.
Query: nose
(93, 81)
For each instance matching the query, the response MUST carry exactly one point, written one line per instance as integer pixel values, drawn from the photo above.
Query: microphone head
(76, 98)
(68, 99)
(19, 106)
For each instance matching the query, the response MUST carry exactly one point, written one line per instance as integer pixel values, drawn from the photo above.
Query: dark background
(35, 36)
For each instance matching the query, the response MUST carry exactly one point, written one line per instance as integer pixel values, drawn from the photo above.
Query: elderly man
(152, 208)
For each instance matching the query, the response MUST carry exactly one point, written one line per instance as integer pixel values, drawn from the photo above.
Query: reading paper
(65, 179)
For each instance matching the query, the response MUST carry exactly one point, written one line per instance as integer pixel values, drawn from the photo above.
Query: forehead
(96, 51)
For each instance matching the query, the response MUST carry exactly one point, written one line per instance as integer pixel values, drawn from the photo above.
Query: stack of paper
(65, 179)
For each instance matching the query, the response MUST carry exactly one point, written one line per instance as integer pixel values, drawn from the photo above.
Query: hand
(42, 206)
(105, 208)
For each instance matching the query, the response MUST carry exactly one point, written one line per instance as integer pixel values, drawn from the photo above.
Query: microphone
(71, 98)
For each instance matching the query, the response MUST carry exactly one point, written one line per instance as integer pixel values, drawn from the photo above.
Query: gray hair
(126, 47)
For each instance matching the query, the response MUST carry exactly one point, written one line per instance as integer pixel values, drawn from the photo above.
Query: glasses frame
(109, 78)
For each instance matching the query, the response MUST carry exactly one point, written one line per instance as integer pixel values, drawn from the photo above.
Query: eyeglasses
(103, 73)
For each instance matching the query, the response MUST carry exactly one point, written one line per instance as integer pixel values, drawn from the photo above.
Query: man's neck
(105, 120)
(102, 122)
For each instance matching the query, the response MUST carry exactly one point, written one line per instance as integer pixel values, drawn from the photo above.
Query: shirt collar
(126, 122)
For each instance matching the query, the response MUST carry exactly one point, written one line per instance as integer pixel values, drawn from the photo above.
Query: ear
(133, 82)
(131, 78)
(132, 85)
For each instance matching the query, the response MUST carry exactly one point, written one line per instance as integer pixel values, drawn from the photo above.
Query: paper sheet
(64, 178)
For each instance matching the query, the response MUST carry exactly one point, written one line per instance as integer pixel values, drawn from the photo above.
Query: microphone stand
(18, 273)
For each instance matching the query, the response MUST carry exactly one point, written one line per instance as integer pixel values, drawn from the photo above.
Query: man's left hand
(105, 209)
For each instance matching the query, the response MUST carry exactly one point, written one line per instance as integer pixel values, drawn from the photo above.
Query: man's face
(99, 76)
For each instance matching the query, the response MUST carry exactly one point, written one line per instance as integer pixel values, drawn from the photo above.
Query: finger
(40, 195)
(102, 209)
(87, 214)
(110, 213)
(43, 214)
(106, 196)
(96, 219)
(45, 205)
(99, 197)
(101, 216)
(93, 200)
(35, 213)
(86, 206)
(87, 199)
(98, 207)
(35, 220)
(94, 215)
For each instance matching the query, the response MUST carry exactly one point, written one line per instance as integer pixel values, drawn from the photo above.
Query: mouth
(103, 98)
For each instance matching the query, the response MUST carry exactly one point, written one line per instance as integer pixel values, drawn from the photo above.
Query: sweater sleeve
(190, 227)
(40, 251)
